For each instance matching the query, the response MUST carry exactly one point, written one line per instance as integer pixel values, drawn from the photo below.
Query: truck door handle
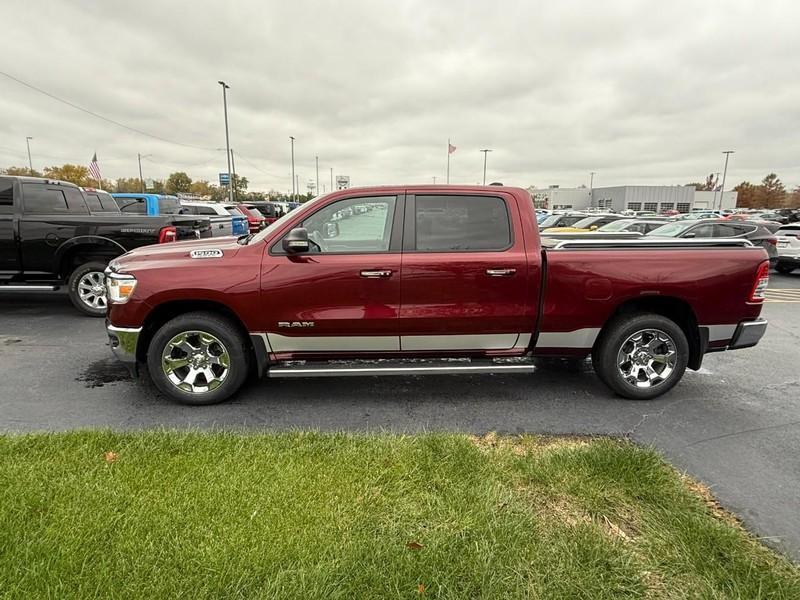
(500, 272)
(377, 274)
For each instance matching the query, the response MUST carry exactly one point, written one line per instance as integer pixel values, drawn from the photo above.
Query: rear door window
(6, 196)
(461, 223)
(42, 199)
(136, 206)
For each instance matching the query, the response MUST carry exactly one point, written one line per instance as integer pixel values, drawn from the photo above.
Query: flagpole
(448, 160)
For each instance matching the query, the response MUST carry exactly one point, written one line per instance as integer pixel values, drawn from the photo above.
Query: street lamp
(727, 154)
(30, 162)
(141, 179)
(225, 88)
(294, 181)
(485, 154)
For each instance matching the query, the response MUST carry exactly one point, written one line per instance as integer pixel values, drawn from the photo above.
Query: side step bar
(28, 288)
(399, 367)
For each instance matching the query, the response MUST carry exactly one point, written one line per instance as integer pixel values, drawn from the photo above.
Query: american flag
(94, 168)
(450, 148)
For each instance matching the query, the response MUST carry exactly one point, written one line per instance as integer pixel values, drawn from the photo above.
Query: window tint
(136, 206)
(453, 223)
(107, 202)
(204, 210)
(725, 230)
(93, 202)
(43, 199)
(703, 231)
(569, 221)
(353, 225)
(6, 195)
(169, 206)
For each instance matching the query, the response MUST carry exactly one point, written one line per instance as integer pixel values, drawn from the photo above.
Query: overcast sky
(640, 92)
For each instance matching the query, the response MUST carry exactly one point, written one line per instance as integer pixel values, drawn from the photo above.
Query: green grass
(307, 515)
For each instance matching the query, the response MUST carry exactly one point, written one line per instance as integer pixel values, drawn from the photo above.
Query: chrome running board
(399, 367)
(28, 288)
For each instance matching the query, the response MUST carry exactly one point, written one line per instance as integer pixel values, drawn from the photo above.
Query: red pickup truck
(427, 279)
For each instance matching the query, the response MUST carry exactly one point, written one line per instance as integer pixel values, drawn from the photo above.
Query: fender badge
(211, 253)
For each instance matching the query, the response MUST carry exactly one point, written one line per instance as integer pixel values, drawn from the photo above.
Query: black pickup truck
(50, 237)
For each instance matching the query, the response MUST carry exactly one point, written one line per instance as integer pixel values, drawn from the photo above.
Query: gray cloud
(641, 92)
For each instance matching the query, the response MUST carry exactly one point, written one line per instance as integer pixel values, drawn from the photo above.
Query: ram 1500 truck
(52, 235)
(371, 281)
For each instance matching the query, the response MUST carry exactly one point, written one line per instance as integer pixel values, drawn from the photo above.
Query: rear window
(255, 212)
(134, 206)
(52, 199)
(234, 211)
(461, 223)
(169, 206)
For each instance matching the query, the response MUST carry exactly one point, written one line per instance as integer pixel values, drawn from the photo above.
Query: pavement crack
(632, 431)
(741, 432)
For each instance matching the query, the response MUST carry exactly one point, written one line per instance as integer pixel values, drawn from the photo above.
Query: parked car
(255, 220)
(586, 224)
(642, 226)
(476, 284)
(566, 219)
(49, 238)
(721, 228)
(225, 218)
(271, 211)
(148, 204)
(100, 202)
(771, 216)
(788, 254)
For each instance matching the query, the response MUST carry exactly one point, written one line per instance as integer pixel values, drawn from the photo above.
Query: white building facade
(655, 198)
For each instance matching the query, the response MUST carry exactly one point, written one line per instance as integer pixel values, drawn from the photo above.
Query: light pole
(331, 178)
(225, 88)
(233, 177)
(141, 179)
(317, 159)
(30, 162)
(291, 138)
(716, 181)
(485, 154)
(434, 180)
(727, 154)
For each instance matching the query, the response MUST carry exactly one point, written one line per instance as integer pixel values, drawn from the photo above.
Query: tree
(21, 171)
(708, 186)
(76, 174)
(128, 185)
(178, 183)
(773, 190)
(748, 195)
(201, 188)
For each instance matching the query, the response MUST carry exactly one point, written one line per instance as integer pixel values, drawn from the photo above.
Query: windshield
(620, 225)
(671, 229)
(255, 212)
(551, 221)
(275, 225)
(585, 223)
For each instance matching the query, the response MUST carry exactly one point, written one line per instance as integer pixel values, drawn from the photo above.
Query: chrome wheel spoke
(647, 358)
(195, 361)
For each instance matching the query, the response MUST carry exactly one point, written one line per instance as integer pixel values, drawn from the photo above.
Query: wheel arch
(673, 308)
(169, 310)
(93, 247)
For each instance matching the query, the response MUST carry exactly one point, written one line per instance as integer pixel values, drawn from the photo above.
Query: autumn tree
(21, 171)
(201, 188)
(748, 195)
(178, 183)
(77, 174)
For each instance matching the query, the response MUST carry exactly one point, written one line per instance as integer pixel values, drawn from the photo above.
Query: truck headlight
(119, 287)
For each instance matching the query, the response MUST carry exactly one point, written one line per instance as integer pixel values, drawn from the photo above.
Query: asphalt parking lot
(735, 424)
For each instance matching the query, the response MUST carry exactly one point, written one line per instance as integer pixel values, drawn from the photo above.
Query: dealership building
(656, 198)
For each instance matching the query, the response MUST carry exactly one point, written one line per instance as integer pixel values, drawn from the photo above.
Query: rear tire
(83, 288)
(641, 356)
(784, 269)
(199, 358)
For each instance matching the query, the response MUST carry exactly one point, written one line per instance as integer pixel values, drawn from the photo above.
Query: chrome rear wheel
(647, 358)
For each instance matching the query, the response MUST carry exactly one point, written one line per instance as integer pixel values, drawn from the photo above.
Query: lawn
(308, 515)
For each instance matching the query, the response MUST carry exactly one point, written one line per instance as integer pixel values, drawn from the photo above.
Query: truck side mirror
(296, 241)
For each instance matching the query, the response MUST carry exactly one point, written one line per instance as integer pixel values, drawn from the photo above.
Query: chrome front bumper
(748, 334)
(123, 342)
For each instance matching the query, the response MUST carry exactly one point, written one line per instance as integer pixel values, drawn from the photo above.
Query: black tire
(89, 305)
(784, 269)
(230, 341)
(605, 354)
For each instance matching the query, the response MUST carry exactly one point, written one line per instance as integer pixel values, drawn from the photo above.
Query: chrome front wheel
(195, 362)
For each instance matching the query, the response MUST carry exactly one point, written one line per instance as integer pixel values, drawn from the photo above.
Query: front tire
(86, 288)
(199, 358)
(641, 356)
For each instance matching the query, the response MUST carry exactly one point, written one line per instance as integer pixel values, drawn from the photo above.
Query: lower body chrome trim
(489, 341)
(348, 343)
(580, 338)
(276, 342)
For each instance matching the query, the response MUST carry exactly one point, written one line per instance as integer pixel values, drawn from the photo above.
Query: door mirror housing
(593, 227)
(691, 234)
(296, 241)
(330, 230)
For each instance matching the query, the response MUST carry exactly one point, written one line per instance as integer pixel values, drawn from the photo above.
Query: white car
(225, 218)
(788, 237)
